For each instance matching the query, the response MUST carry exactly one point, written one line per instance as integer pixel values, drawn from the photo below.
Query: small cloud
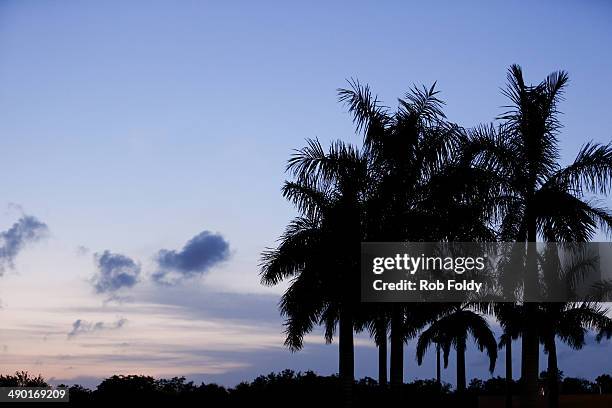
(82, 326)
(82, 250)
(27, 229)
(115, 271)
(198, 255)
(14, 207)
(117, 299)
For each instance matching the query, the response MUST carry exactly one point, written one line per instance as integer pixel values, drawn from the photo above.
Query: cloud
(82, 250)
(198, 303)
(115, 271)
(83, 326)
(15, 207)
(198, 255)
(12, 241)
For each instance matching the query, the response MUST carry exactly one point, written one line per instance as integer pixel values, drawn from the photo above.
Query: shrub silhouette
(22, 379)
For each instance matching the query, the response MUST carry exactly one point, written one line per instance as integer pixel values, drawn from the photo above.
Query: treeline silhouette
(290, 388)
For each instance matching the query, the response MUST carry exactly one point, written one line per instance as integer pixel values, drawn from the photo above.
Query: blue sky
(133, 127)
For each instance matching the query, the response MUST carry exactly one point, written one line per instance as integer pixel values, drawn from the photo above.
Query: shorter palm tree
(375, 318)
(570, 322)
(438, 343)
(452, 331)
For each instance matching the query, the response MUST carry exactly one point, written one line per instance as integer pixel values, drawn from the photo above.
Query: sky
(143, 147)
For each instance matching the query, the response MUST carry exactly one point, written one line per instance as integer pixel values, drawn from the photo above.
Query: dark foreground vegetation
(289, 388)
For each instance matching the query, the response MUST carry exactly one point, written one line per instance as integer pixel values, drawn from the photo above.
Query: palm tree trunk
(438, 373)
(382, 353)
(531, 352)
(461, 366)
(346, 363)
(553, 379)
(382, 364)
(523, 347)
(531, 347)
(509, 372)
(397, 349)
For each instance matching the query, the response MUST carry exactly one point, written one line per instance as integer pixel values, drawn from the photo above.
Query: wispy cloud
(196, 258)
(82, 250)
(27, 229)
(82, 326)
(115, 271)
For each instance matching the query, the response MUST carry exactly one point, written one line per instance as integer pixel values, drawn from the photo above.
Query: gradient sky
(132, 127)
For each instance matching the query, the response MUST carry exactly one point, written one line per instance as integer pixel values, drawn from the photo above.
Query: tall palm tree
(319, 250)
(412, 148)
(453, 330)
(540, 198)
(505, 341)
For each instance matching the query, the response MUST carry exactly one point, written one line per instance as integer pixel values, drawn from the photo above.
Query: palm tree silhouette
(375, 319)
(540, 198)
(407, 146)
(570, 323)
(452, 331)
(319, 250)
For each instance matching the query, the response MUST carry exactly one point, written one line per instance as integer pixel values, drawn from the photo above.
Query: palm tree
(409, 147)
(438, 344)
(540, 198)
(569, 322)
(319, 250)
(452, 330)
(375, 319)
(505, 341)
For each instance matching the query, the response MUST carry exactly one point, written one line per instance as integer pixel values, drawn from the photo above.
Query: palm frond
(590, 171)
(301, 236)
(369, 115)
